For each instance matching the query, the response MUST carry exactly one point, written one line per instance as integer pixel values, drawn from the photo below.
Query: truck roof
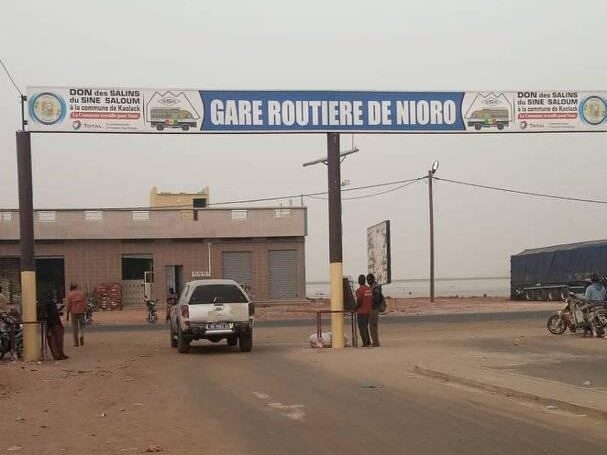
(564, 247)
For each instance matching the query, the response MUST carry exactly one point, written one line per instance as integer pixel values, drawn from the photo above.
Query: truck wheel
(500, 126)
(159, 127)
(528, 295)
(232, 341)
(477, 126)
(552, 295)
(173, 339)
(185, 127)
(542, 295)
(564, 293)
(245, 341)
(183, 343)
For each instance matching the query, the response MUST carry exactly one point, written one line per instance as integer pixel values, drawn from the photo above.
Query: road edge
(511, 393)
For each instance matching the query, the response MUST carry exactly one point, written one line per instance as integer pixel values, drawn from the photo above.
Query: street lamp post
(431, 173)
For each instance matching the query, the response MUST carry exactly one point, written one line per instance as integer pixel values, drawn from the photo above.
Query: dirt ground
(110, 396)
(396, 307)
(126, 391)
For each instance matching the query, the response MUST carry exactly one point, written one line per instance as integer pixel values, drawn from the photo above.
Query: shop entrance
(174, 277)
(134, 268)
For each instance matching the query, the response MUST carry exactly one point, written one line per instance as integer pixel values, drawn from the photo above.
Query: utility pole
(431, 209)
(333, 161)
(335, 239)
(26, 232)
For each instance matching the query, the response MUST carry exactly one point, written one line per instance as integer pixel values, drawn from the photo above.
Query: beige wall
(176, 199)
(90, 262)
(122, 224)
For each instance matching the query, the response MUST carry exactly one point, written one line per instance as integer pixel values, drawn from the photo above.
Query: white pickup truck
(212, 310)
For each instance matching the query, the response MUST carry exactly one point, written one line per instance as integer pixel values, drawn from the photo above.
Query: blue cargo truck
(552, 272)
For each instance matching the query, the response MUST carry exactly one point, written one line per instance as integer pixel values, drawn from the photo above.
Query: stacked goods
(108, 296)
(115, 296)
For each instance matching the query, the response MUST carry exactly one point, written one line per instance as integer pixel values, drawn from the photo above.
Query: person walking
(364, 303)
(76, 307)
(378, 306)
(171, 302)
(54, 327)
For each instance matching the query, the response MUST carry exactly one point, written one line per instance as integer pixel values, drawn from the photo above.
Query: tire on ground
(173, 340)
(245, 341)
(183, 343)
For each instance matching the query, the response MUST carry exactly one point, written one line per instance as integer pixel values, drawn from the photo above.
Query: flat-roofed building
(261, 248)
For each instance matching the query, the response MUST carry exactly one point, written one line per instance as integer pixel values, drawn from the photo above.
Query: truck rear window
(217, 293)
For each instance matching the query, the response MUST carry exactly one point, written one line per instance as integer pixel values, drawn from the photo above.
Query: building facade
(261, 248)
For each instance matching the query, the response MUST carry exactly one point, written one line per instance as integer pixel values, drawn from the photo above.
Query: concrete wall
(128, 224)
(90, 262)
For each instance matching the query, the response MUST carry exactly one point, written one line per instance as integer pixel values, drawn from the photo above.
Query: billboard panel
(378, 252)
(140, 110)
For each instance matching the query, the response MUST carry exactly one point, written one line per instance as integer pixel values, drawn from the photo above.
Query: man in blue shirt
(596, 291)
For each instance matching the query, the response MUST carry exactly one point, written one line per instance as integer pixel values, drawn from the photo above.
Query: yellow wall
(176, 199)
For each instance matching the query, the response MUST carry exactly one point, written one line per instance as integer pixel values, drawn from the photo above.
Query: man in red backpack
(379, 306)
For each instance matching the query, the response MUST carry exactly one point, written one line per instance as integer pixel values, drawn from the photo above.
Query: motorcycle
(11, 335)
(87, 317)
(578, 314)
(152, 316)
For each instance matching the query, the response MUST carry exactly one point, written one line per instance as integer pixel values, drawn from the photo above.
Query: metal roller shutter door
(237, 266)
(283, 274)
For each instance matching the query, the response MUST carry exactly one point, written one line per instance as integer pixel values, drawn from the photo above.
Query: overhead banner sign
(135, 110)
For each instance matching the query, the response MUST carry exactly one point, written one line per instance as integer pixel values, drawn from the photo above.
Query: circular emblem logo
(76, 124)
(47, 108)
(593, 110)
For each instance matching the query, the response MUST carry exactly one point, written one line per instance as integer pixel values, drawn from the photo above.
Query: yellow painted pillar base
(31, 350)
(337, 304)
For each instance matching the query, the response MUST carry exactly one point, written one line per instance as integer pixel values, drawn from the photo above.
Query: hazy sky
(358, 45)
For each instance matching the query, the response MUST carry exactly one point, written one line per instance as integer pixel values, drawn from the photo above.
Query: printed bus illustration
(489, 117)
(166, 117)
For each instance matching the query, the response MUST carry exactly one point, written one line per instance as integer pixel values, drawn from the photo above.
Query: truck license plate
(219, 326)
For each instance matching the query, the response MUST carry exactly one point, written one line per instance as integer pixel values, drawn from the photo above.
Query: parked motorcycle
(11, 335)
(578, 314)
(91, 307)
(152, 316)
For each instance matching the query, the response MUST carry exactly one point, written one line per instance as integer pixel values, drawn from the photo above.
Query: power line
(10, 77)
(316, 195)
(322, 193)
(366, 196)
(525, 193)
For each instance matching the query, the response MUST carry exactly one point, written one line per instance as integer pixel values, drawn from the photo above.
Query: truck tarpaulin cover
(559, 264)
(79, 109)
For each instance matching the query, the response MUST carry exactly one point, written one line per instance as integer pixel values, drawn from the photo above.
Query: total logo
(77, 125)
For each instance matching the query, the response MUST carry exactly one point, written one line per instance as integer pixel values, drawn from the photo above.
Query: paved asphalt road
(411, 319)
(274, 405)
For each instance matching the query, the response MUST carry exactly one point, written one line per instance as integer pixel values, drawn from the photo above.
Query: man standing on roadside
(378, 303)
(76, 306)
(364, 303)
(54, 328)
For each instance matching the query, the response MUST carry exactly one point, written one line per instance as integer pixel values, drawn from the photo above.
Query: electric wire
(366, 196)
(525, 193)
(10, 77)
